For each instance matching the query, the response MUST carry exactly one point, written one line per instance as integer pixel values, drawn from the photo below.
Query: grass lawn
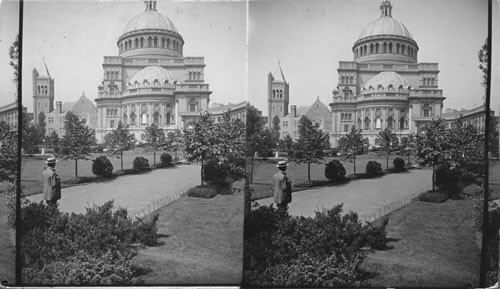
(264, 171)
(31, 170)
(202, 243)
(434, 245)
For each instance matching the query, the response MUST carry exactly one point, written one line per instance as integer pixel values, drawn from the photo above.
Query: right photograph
(366, 135)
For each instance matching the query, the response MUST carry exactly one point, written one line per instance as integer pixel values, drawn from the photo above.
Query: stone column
(410, 122)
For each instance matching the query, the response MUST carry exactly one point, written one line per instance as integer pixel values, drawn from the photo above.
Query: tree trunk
(252, 167)
(154, 158)
(408, 159)
(247, 192)
(309, 172)
(121, 159)
(76, 168)
(387, 163)
(433, 177)
(202, 176)
(354, 155)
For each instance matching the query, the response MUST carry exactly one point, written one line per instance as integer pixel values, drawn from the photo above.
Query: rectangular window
(346, 128)
(426, 113)
(111, 123)
(192, 107)
(378, 123)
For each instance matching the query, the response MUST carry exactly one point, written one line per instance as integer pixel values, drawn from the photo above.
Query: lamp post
(277, 150)
(43, 146)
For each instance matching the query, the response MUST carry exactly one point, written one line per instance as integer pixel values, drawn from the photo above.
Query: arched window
(378, 123)
(126, 45)
(400, 88)
(380, 87)
(156, 42)
(168, 43)
(351, 80)
(145, 83)
(366, 49)
(401, 123)
(390, 47)
(125, 119)
(390, 122)
(136, 84)
(132, 119)
(142, 42)
(397, 48)
(403, 49)
(342, 80)
(136, 43)
(39, 90)
(156, 83)
(385, 47)
(166, 82)
(359, 122)
(390, 88)
(370, 88)
(371, 48)
(144, 118)
(156, 118)
(198, 75)
(376, 48)
(46, 91)
(130, 43)
(162, 42)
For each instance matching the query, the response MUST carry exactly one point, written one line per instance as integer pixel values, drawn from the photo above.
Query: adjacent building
(10, 113)
(235, 111)
(150, 81)
(317, 113)
(83, 108)
(475, 117)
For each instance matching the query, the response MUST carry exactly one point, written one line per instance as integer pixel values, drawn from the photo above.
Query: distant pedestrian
(282, 187)
(51, 183)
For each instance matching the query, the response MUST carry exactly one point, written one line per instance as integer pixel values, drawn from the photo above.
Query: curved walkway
(133, 192)
(365, 196)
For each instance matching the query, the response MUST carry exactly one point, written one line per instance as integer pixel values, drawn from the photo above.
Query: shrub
(471, 192)
(399, 163)
(376, 236)
(373, 168)
(215, 173)
(102, 167)
(445, 178)
(335, 170)
(146, 231)
(166, 159)
(433, 197)
(141, 163)
(202, 192)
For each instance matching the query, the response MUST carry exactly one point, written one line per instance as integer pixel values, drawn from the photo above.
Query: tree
(388, 142)
(78, 137)
(199, 139)
(8, 153)
(53, 139)
(466, 147)
(255, 139)
(41, 124)
(483, 63)
(119, 140)
(310, 145)
(14, 59)
(432, 146)
(275, 129)
(30, 135)
(352, 144)
(155, 139)
(407, 146)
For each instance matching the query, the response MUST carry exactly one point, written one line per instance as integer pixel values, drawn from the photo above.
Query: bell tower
(43, 91)
(277, 94)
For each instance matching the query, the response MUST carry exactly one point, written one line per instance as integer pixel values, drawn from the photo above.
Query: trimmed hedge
(335, 170)
(141, 163)
(398, 163)
(374, 168)
(433, 197)
(102, 167)
(166, 159)
(202, 192)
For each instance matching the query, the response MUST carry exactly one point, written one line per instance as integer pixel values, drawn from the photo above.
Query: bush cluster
(207, 192)
(166, 159)
(335, 170)
(445, 177)
(433, 197)
(102, 167)
(81, 249)
(373, 168)
(140, 163)
(324, 250)
(399, 164)
(215, 173)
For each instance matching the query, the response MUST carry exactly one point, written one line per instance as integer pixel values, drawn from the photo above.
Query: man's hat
(51, 160)
(282, 164)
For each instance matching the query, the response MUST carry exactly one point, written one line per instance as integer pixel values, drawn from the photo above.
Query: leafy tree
(119, 140)
(493, 139)
(352, 144)
(42, 124)
(53, 139)
(255, 138)
(174, 142)
(275, 129)
(407, 146)
(432, 146)
(14, 59)
(30, 135)
(199, 140)
(466, 147)
(287, 144)
(78, 137)
(483, 63)
(310, 145)
(155, 139)
(388, 142)
(8, 153)
(230, 147)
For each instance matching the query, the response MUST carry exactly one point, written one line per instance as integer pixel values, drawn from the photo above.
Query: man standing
(282, 187)
(51, 183)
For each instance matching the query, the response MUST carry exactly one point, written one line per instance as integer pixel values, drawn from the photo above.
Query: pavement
(133, 192)
(365, 196)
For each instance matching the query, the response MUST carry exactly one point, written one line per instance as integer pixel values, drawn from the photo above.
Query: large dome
(385, 25)
(151, 74)
(386, 79)
(150, 19)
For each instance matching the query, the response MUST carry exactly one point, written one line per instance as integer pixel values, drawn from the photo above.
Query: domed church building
(150, 81)
(385, 86)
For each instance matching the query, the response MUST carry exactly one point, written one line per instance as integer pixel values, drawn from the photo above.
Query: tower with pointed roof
(43, 91)
(277, 94)
(385, 86)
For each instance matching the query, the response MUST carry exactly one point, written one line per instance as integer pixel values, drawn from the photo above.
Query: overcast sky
(308, 37)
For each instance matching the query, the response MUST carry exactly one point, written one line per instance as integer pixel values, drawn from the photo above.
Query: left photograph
(9, 29)
(133, 143)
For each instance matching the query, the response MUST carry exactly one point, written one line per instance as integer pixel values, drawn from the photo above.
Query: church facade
(385, 85)
(150, 81)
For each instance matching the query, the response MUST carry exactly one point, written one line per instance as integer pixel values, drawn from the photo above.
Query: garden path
(133, 192)
(364, 196)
